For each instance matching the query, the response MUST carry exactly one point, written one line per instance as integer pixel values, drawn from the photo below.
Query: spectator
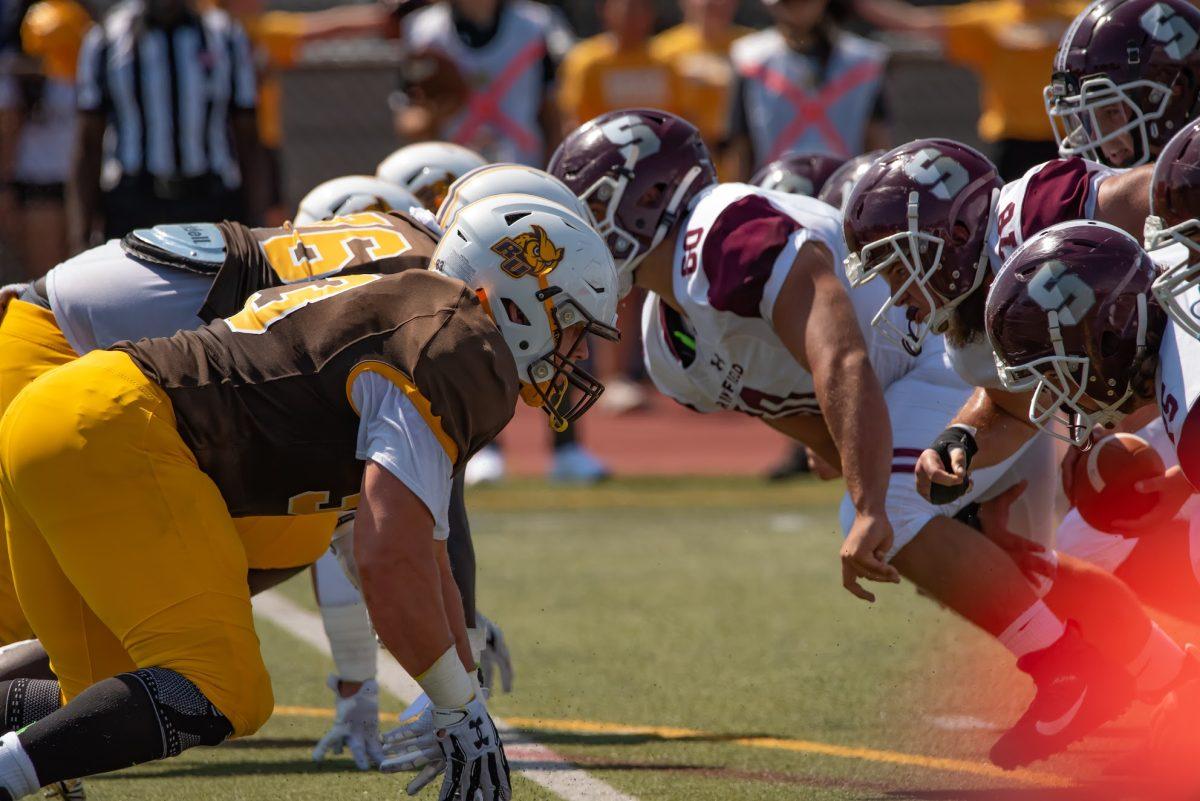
(502, 56)
(1010, 45)
(698, 48)
(37, 102)
(615, 69)
(166, 99)
(278, 39)
(805, 84)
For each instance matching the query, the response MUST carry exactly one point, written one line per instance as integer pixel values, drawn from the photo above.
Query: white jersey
(1048, 193)
(735, 251)
(1178, 391)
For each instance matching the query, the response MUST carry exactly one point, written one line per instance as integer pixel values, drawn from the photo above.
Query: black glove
(954, 437)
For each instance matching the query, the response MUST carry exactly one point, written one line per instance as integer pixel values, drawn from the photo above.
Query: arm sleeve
(245, 81)
(392, 433)
(90, 92)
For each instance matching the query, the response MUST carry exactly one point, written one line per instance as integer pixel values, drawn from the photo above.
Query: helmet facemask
(549, 380)
(910, 250)
(1059, 384)
(1179, 278)
(604, 197)
(1073, 108)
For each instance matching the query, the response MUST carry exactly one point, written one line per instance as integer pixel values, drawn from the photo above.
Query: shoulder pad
(195, 247)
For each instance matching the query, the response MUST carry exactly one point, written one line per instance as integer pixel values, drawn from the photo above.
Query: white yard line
(544, 767)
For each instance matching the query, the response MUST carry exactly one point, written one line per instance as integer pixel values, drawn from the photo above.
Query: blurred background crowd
(122, 115)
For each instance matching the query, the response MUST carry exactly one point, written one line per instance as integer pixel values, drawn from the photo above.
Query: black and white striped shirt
(168, 92)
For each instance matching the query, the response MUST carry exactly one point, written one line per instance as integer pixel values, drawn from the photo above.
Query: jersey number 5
(264, 309)
(328, 247)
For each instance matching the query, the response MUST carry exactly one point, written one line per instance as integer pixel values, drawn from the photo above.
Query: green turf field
(678, 639)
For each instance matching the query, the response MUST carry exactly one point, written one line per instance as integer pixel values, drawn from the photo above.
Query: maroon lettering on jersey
(768, 405)
(1058, 192)
(740, 252)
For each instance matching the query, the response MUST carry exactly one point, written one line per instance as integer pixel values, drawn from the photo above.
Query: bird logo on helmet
(1174, 220)
(547, 281)
(1071, 319)
(918, 218)
(638, 170)
(1125, 80)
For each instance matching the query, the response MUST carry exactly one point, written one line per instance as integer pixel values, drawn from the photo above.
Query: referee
(166, 96)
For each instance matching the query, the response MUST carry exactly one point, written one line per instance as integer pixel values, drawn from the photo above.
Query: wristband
(956, 436)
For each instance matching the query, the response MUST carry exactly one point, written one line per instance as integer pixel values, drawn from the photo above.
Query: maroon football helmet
(919, 217)
(798, 173)
(1069, 317)
(1125, 79)
(637, 170)
(1175, 219)
(837, 188)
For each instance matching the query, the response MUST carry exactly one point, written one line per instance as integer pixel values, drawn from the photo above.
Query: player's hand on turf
(863, 555)
(355, 726)
(495, 657)
(930, 471)
(1030, 557)
(474, 767)
(1174, 489)
(413, 744)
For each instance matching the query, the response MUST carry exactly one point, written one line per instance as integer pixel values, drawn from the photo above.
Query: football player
(360, 390)
(932, 219)
(837, 188)
(749, 312)
(797, 173)
(1125, 79)
(428, 168)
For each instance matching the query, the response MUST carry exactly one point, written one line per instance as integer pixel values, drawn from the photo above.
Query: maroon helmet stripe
(1056, 193)
(740, 252)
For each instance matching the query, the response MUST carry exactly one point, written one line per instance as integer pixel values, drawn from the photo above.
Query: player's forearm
(998, 430)
(854, 409)
(454, 613)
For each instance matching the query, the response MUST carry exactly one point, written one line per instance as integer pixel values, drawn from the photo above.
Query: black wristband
(952, 437)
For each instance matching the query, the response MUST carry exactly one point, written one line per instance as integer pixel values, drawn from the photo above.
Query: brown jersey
(259, 258)
(263, 397)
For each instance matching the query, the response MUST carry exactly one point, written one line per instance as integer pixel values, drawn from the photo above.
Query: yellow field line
(772, 743)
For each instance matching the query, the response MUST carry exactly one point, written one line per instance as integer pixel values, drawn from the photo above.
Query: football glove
(413, 744)
(474, 767)
(495, 656)
(355, 726)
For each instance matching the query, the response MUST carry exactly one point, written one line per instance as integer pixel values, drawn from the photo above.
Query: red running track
(664, 439)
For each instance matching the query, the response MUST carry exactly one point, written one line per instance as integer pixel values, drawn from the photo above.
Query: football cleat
(69, 790)
(1078, 691)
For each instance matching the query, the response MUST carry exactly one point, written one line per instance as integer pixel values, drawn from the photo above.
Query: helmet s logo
(1054, 289)
(530, 253)
(1171, 30)
(944, 176)
(630, 132)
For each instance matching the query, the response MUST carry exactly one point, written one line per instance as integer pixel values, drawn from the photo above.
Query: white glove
(413, 744)
(355, 725)
(495, 656)
(472, 763)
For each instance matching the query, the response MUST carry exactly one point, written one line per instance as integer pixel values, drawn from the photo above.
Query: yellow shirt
(706, 73)
(1010, 45)
(595, 77)
(277, 37)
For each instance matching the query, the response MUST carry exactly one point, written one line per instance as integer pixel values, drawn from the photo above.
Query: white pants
(921, 404)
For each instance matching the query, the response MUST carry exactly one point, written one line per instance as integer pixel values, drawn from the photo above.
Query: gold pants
(123, 552)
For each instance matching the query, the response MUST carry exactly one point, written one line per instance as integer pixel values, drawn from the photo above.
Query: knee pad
(28, 700)
(185, 716)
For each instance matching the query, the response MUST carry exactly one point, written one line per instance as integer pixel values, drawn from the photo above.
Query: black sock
(126, 720)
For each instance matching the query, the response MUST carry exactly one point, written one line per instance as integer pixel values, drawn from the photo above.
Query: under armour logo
(481, 739)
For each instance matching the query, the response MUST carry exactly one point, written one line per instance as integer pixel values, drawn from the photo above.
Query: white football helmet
(351, 194)
(428, 168)
(500, 179)
(540, 271)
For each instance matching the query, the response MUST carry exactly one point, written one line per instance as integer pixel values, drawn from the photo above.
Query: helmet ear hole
(1110, 343)
(515, 315)
(959, 233)
(653, 196)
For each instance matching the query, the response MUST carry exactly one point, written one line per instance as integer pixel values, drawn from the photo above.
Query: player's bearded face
(897, 276)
